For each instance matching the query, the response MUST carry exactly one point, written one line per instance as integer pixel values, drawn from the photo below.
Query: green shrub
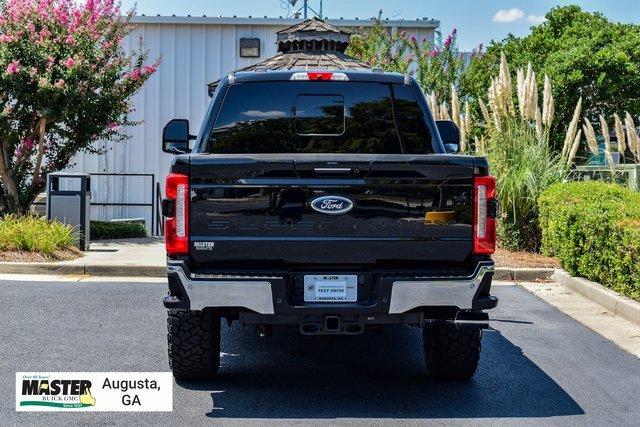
(593, 228)
(33, 234)
(116, 230)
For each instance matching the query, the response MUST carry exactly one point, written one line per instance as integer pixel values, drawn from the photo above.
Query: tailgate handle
(333, 170)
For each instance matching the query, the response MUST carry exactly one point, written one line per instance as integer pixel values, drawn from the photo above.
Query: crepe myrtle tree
(437, 64)
(65, 82)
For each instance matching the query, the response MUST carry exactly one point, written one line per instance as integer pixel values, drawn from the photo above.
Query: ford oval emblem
(332, 205)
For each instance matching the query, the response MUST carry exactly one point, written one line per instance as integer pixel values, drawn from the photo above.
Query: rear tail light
(320, 76)
(176, 226)
(484, 217)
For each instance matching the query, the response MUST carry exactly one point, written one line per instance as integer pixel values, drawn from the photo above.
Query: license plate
(331, 288)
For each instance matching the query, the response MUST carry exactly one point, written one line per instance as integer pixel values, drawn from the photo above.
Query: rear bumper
(388, 294)
(410, 294)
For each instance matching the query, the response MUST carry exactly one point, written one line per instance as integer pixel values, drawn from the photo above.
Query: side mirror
(176, 137)
(450, 135)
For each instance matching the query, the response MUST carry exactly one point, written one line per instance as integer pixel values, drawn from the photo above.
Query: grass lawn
(31, 239)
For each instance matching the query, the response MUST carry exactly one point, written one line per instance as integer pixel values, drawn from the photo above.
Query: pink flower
(28, 143)
(135, 74)
(70, 63)
(33, 72)
(149, 69)
(112, 125)
(448, 41)
(62, 16)
(44, 34)
(70, 40)
(59, 83)
(90, 6)
(13, 68)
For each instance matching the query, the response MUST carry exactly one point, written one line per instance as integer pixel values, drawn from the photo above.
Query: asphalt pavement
(538, 366)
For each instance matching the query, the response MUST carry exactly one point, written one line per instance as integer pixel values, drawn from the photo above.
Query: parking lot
(537, 366)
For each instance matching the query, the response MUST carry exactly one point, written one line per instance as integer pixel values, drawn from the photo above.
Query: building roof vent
(313, 35)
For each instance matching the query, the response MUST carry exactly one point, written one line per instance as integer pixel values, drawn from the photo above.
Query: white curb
(613, 301)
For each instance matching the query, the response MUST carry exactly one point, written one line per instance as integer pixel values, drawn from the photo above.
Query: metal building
(195, 51)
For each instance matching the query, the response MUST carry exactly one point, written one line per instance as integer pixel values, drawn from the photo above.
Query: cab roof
(353, 76)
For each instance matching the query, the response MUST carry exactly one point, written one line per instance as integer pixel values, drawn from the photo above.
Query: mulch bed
(504, 258)
(19, 256)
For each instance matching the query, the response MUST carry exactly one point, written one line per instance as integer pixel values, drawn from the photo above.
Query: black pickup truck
(331, 201)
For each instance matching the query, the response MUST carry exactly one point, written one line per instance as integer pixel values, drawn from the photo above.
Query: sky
(477, 21)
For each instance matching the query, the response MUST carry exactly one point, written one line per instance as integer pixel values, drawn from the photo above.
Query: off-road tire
(194, 344)
(450, 352)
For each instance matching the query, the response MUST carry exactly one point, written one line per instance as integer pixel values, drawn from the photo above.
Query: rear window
(319, 117)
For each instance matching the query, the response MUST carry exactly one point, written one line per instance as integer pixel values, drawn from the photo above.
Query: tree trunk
(42, 126)
(9, 186)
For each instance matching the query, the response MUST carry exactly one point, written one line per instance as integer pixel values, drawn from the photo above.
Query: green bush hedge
(593, 229)
(31, 233)
(116, 230)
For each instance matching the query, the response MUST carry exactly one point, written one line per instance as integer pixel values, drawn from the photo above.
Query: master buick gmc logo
(332, 205)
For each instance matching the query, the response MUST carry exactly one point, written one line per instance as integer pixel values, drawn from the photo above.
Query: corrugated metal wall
(192, 55)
